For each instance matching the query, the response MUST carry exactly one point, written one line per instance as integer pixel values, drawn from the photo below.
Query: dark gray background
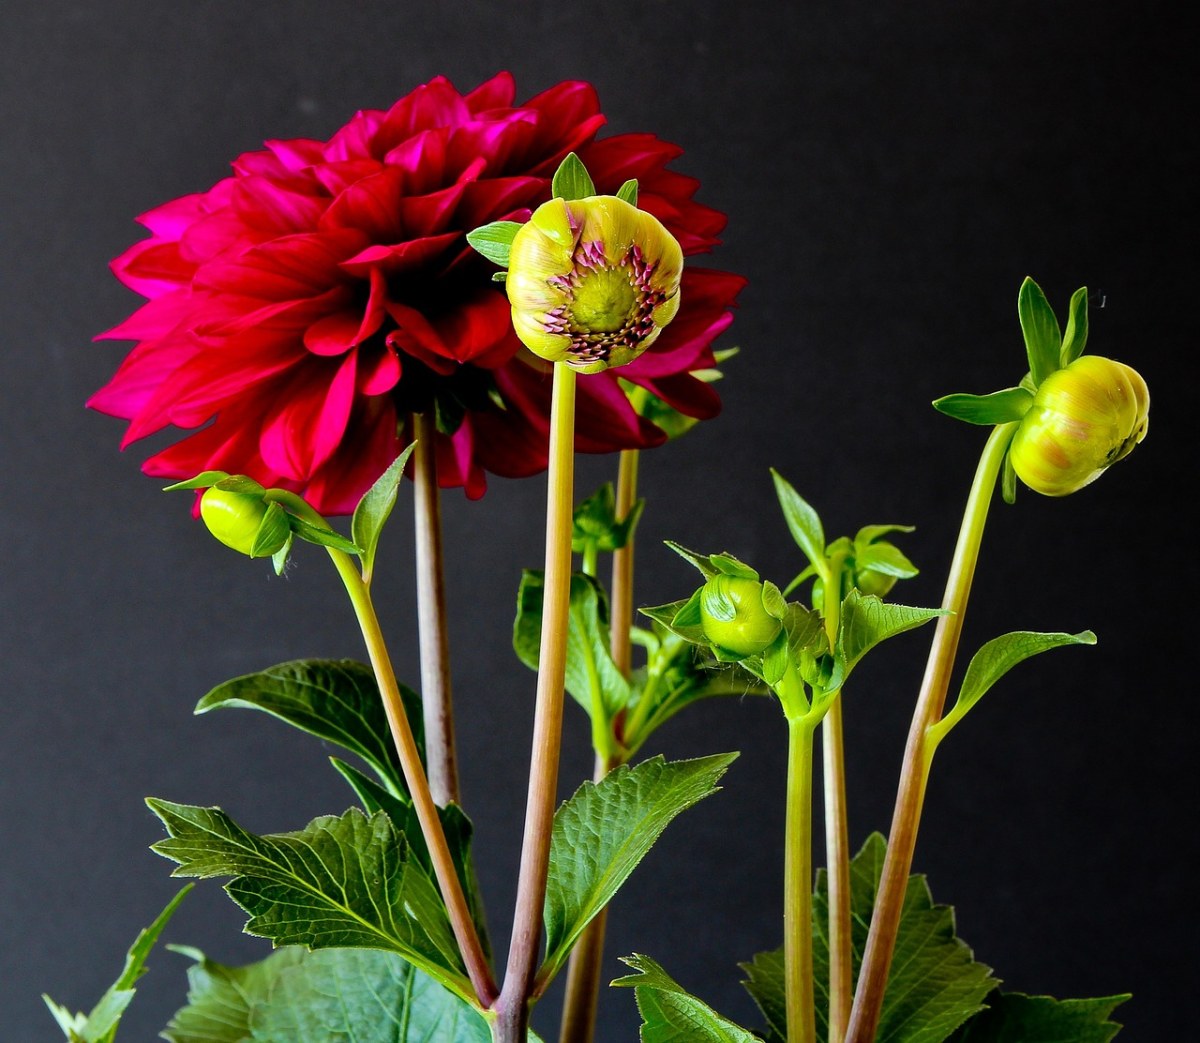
(891, 172)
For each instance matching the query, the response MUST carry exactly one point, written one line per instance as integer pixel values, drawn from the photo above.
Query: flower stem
(431, 616)
(910, 796)
(797, 884)
(457, 909)
(583, 971)
(512, 1007)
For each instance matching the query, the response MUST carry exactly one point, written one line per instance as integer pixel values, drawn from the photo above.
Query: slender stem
(512, 1008)
(797, 885)
(458, 910)
(431, 616)
(910, 795)
(582, 995)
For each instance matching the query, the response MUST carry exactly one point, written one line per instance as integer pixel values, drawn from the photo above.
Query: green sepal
(274, 533)
(1008, 481)
(280, 557)
(681, 618)
(1013, 1017)
(670, 1014)
(1000, 407)
(571, 180)
(494, 240)
(322, 537)
(449, 411)
(374, 509)
(803, 522)
(347, 881)
(1043, 339)
(240, 483)
(100, 1025)
(1075, 336)
(204, 480)
(996, 658)
(336, 700)
(722, 564)
(601, 834)
(629, 191)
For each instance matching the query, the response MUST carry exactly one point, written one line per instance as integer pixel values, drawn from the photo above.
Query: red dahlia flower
(300, 311)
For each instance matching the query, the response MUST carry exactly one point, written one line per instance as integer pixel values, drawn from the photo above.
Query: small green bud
(1083, 419)
(244, 521)
(734, 616)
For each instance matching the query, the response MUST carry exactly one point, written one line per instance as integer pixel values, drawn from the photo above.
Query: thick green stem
(582, 995)
(910, 795)
(512, 1008)
(440, 758)
(797, 884)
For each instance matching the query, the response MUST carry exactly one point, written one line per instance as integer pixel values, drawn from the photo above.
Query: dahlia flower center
(608, 306)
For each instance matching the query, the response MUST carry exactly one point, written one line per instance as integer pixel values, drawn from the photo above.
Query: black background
(891, 172)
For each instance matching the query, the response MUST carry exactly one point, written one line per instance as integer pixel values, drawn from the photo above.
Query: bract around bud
(1084, 418)
(592, 281)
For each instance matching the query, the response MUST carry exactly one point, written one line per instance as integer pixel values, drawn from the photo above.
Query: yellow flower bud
(592, 281)
(1083, 419)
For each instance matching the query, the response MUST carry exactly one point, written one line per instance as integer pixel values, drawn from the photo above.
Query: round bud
(733, 616)
(233, 517)
(1083, 419)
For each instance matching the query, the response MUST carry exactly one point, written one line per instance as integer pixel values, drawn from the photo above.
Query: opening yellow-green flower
(592, 282)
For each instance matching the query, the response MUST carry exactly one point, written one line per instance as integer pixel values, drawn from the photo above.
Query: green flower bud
(244, 521)
(592, 281)
(1084, 418)
(734, 616)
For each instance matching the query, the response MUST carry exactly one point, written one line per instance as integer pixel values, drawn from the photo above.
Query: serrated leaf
(1043, 340)
(866, 621)
(1016, 1018)
(994, 659)
(100, 1025)
(571, 180)
(603, 832)
(935, 984)
(629, 192)
(591, 674)
(322, 537)
(1075, 336)
(341, 882)
(672, 1015)
(375, 507)
(802, 521)
(334, 699)
(494, 240)
(999, 407)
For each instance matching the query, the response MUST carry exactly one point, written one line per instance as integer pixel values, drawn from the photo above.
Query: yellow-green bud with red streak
(592, 281)
(1084, 418)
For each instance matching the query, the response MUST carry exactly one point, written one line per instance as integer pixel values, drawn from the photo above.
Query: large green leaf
(1016, 1018)
(604, 831)
(935, 984)
(333, 699)
(592, 677)
(296, 996)
(348, 881)
(866, 621)
(100, 1025)
(672, 1015)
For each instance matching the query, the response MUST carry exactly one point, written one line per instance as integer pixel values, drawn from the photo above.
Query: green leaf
(374, 509)
(571, 180)
(681, 618)
(671, 1015)
(1017, 1018)
(999, 407)
(595, 523)
(1075, 337)
(866, 621)
(341, 882)
(591, 673)
(1043, 341)
(604, 831)
(334, 699)
(802, 521)
(629, 192)
(322, 537)
(994, 659)
(100, 1026)
(204, 480)
(355, 995)
(935, 983)
(494, 240)
(885, 558)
